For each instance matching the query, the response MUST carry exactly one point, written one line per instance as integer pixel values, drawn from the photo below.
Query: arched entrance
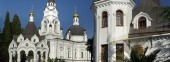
(23, 56)
(43, 57)
(14, 57)
(38, 56)
(30, 57)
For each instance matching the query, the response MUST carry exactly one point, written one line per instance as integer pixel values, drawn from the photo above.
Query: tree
(6, 39)
(16, 26)
(164, 13)
(7, 35)
(0, 35)
(137, 57)
(56, 60)
(90, 47)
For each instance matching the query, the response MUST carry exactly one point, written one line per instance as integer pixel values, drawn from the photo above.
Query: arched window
(142, 22)
(34, 40)
(75, 55)
(68, 54)
(104, 19)
(81, 54)
(119, 18)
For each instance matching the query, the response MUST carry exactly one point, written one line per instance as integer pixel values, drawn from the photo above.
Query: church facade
(121, 25)
(48, 42)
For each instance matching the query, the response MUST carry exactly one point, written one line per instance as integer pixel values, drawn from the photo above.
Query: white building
(121, 26)
(37, 46)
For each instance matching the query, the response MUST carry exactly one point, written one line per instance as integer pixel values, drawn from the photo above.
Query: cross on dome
(51, 1)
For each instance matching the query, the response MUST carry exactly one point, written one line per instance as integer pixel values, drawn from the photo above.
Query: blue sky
(65, 8)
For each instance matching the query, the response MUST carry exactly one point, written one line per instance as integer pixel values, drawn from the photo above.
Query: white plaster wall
(20, 38)
(74, 47)
(77, 38)
(34, 38)
(112, 32)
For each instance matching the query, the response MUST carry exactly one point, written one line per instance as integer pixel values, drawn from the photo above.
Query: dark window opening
(104, 53)
(34, 40)
(75, 55)
(41, 45)
(50, 25)
(119, 52)
(81, 54)
(104, 19)
(142, 23)
(68, 54)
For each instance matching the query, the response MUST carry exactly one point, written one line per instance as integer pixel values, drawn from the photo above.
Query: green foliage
(6, 39)
(50, 60)
(7, 35)
(16, 26)
(151, 57)
(56, 60)
(0, 35)
(163, 12)
(136, 57)
(90, 47)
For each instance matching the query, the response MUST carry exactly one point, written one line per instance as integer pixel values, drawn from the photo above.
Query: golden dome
(31, 13)
(75, 14)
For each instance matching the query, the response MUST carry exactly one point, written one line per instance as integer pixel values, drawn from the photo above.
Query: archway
(39, 56)
(43, 57)
(14, 57)
(30, 56)
(23, 56)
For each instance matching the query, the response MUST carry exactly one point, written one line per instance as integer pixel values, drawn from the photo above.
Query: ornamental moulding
(99, 5)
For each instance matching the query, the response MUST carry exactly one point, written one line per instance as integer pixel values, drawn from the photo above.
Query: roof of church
(148, 6)
(30, 30)
(76, 30)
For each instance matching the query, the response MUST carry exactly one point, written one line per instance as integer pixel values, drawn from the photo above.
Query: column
(10, 57)
(18, 57)
(46, 56)
(34, 56)
(41, 57)
(26, 56)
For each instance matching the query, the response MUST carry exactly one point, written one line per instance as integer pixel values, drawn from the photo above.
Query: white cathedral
(119, 27)
(34, 45)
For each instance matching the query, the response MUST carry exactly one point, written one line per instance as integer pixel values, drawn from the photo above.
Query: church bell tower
(112, 22)
(50, 27)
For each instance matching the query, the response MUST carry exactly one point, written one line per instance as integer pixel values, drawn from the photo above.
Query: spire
(75, 18)
(75, 13)
(51, 1)
(31, 15)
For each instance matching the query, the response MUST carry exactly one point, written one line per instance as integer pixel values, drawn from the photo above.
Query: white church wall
(77, 38)
(20, 38)
(34, 39)
(75, 49)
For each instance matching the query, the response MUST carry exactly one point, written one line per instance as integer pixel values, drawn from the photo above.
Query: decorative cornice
(100, 4)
